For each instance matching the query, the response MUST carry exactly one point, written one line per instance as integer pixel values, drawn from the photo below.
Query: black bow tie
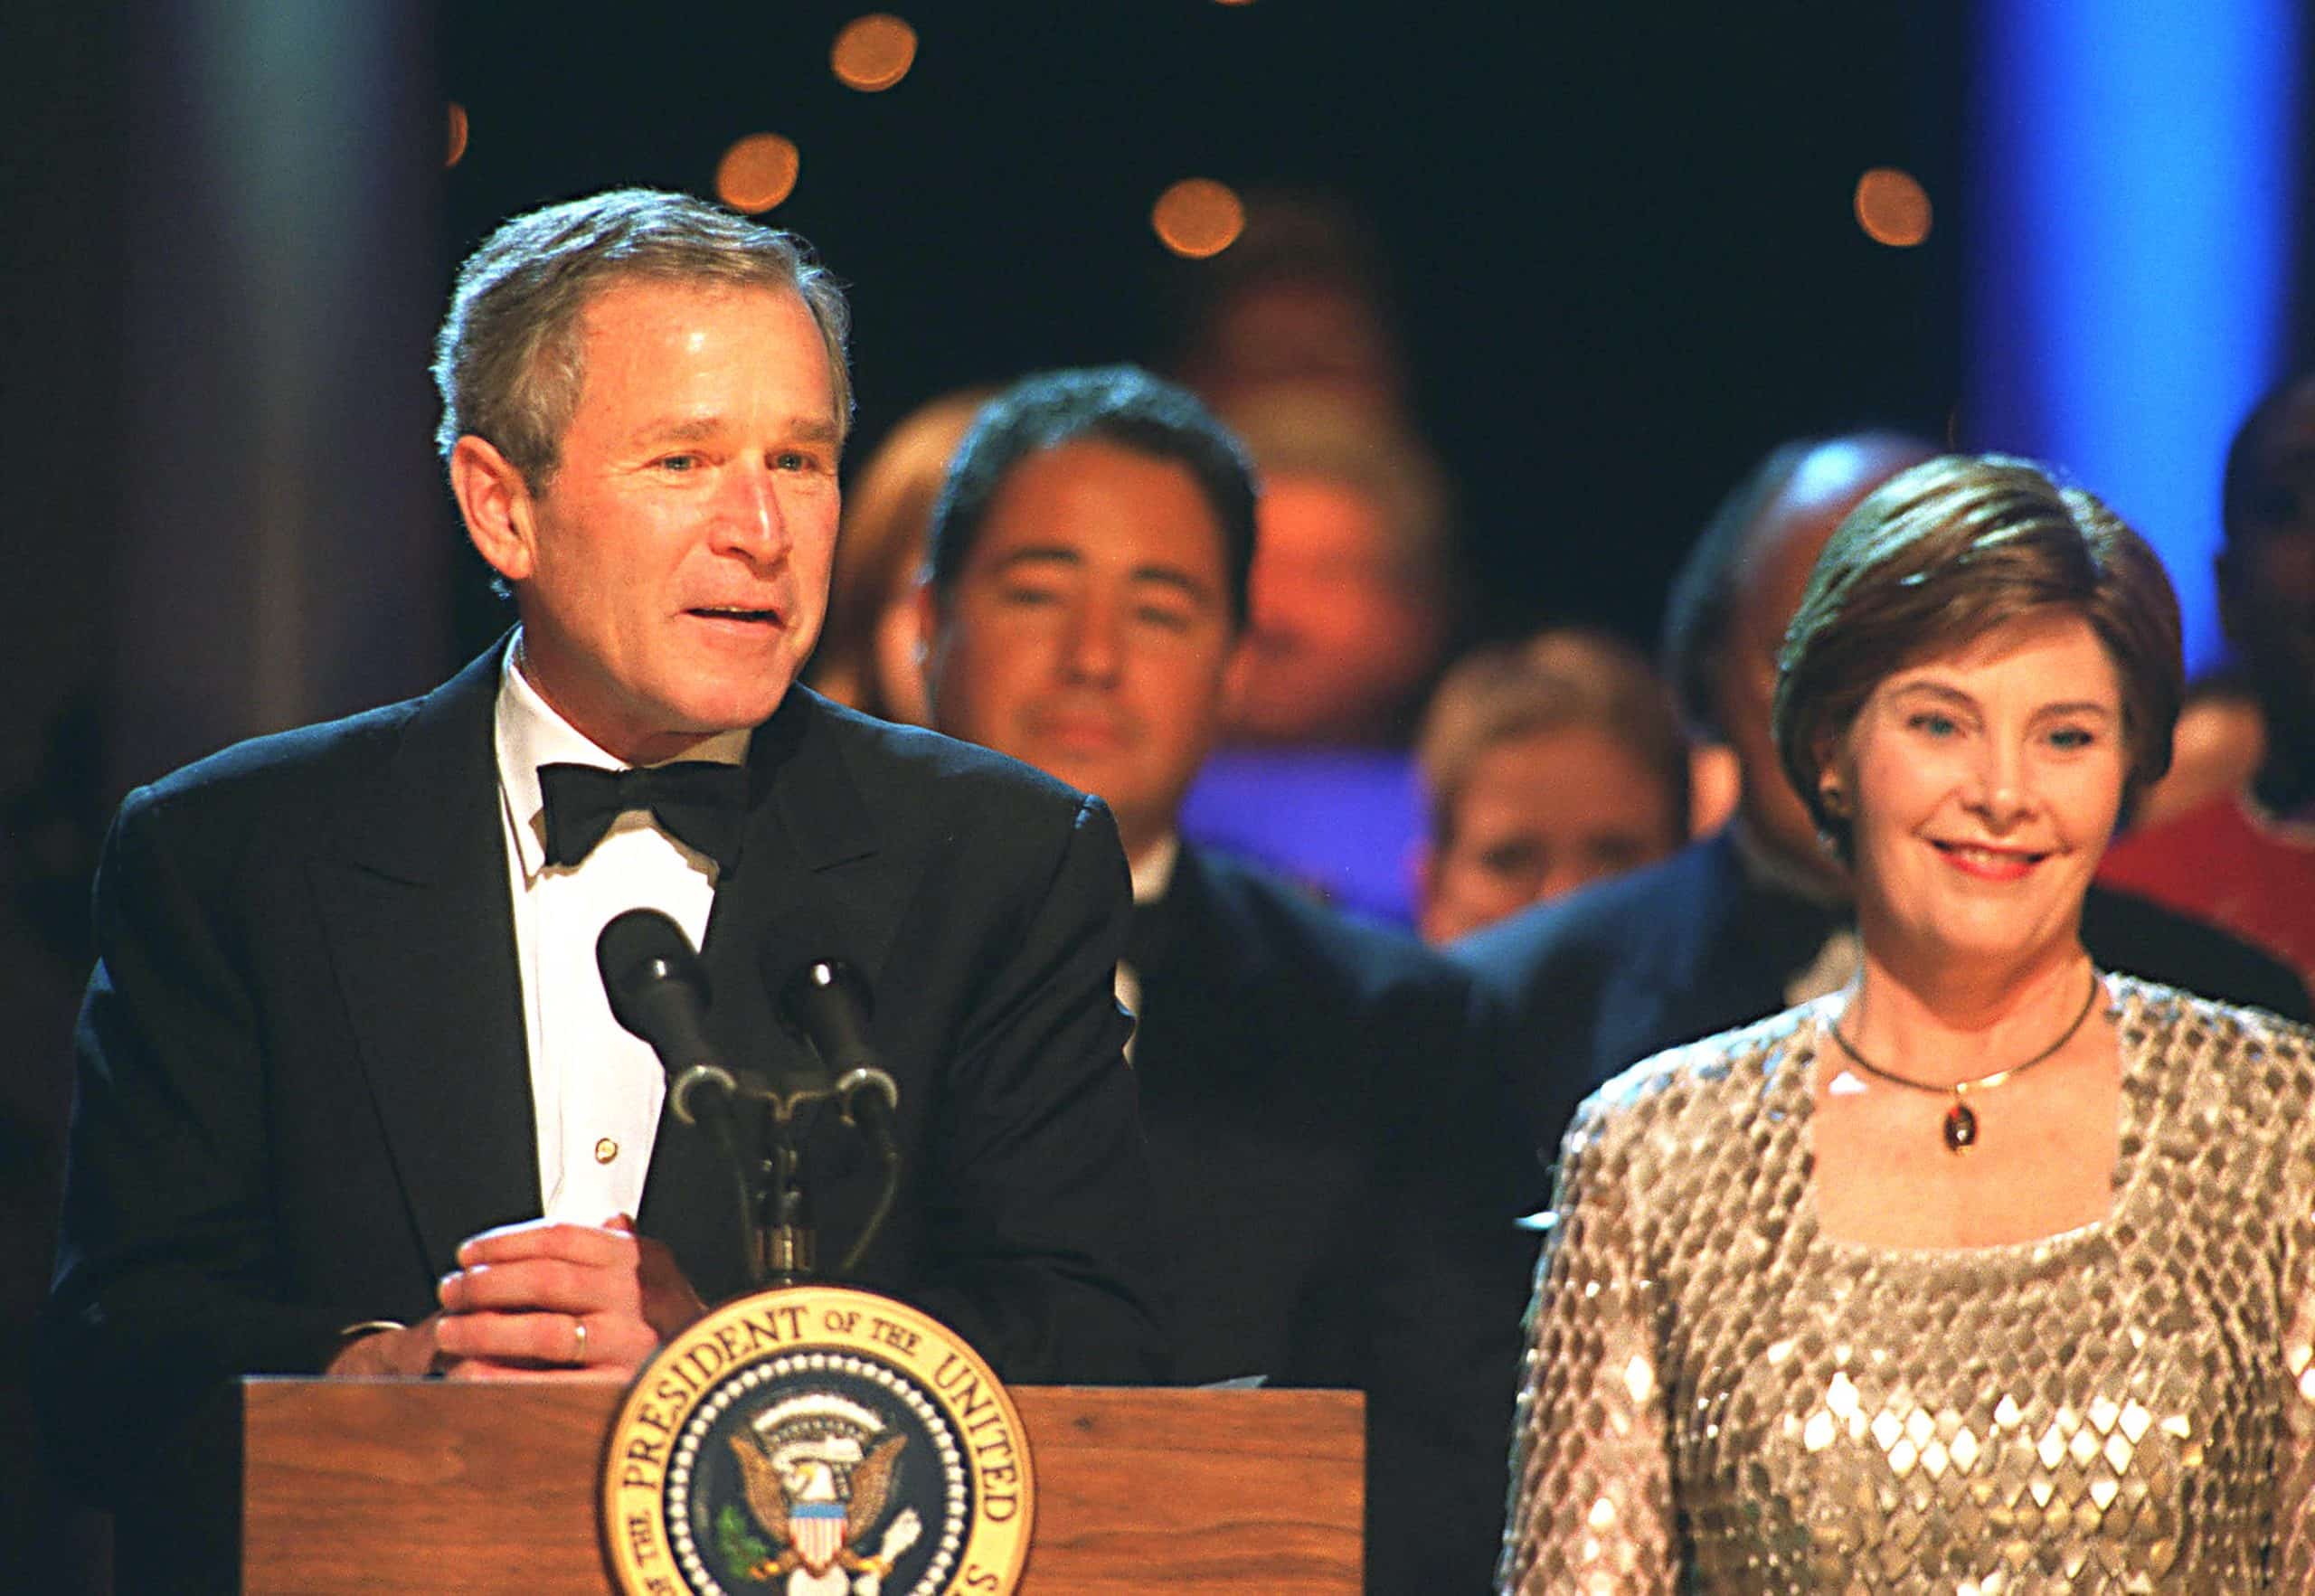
(700, 804)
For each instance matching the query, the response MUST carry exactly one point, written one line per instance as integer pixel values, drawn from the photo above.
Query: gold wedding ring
(578, 1340)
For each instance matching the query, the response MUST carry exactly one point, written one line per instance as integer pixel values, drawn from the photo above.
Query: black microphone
(827, 1004)
(659, 990)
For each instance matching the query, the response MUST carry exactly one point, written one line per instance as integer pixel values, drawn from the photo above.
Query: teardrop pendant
(1960, 1128)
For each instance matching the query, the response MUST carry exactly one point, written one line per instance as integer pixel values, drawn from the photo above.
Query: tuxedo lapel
(1206, 934)
(809, 884)
(420, 932)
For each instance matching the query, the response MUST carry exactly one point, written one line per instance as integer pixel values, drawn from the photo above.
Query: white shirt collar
(529, 732)
(1153, 872)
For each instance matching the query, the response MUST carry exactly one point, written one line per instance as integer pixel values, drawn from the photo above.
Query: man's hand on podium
(542, 1299)
(387, 1349)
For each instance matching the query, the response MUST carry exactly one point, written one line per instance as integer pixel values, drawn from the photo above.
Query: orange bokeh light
(1893, 208)
(757, 172)
(457, 151)
(1198, 217)
(873, 52)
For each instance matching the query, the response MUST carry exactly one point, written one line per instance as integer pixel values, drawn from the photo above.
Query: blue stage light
(2133, 213)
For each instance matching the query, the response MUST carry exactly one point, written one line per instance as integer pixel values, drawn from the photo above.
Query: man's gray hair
(506, 361)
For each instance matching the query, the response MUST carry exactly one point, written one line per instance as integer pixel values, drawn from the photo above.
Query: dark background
(1618, 239)
(1619, 242)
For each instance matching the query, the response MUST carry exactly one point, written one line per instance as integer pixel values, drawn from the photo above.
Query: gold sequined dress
(1716, 1398)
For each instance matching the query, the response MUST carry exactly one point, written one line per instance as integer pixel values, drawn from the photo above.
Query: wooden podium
(430, 1486)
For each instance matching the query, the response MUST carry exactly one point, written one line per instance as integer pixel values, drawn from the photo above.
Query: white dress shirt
(595, 1089)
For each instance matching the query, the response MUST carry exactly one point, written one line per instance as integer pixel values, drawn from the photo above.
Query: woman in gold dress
(1993, 1274)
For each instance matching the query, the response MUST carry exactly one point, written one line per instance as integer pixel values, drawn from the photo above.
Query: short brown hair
(507, 358)
(1940, 555)
(1554, 680)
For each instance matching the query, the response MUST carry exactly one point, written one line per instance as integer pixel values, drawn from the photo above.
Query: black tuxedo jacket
(1281, 1047)
(1592, 983)
(303, 1076)
(1308, 1084)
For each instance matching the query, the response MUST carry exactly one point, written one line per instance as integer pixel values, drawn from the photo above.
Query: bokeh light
(874, 53)
(457, 151)
(1198, 217)
(1893, 208)
(757, 172)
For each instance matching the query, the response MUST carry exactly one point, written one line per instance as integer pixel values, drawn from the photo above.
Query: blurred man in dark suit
(1085, 605)
(2245, 858)
(350, 1096)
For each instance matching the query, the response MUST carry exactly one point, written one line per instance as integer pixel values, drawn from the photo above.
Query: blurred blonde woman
(868, 656)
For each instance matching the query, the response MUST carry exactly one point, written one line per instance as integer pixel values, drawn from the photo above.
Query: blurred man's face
(1089, 632)
(1792, 531)
(1540, 815)
(2267, 576)
(1299, 332)
(1340, 639)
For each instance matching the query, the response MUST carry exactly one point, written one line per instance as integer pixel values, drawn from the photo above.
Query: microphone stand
(786, 1250)
(869, 1097)
(657, 989)
(775, 1201)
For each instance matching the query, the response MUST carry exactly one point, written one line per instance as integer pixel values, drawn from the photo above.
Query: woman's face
(1981, 786)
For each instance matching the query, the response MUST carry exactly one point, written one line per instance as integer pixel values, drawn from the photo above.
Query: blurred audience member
(1724, 620)
(2216, 750)
(1355, 594)
(2246, 857)
(1546, 765)
(1086, 603)
(869, 652)
(1297, 300)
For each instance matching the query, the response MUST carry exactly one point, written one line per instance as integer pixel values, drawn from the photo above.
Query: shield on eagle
(817, 1529)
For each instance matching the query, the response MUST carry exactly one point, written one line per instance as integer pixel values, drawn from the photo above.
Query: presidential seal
(817, 1441)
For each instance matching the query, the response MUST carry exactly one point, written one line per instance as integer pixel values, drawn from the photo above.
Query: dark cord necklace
(1961, 1119)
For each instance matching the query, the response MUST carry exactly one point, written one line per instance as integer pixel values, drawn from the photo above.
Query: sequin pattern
(1719, 1399)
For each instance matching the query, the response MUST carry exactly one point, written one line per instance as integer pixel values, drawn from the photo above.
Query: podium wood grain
(418, 1486)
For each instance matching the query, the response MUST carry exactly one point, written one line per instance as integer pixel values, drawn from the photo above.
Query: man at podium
(349, 1094)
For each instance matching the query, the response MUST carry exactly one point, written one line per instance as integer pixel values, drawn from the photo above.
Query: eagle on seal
(813, 1523)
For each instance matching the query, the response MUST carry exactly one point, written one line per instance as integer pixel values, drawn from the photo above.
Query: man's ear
(926, 607)
(495, 503)
(1237, 671)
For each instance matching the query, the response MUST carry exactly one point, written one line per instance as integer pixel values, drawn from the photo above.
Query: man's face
(1089, 632)
(1339, 639)
(672, 573)
(2267, 576)
(1792, 531)
(1538, 815)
